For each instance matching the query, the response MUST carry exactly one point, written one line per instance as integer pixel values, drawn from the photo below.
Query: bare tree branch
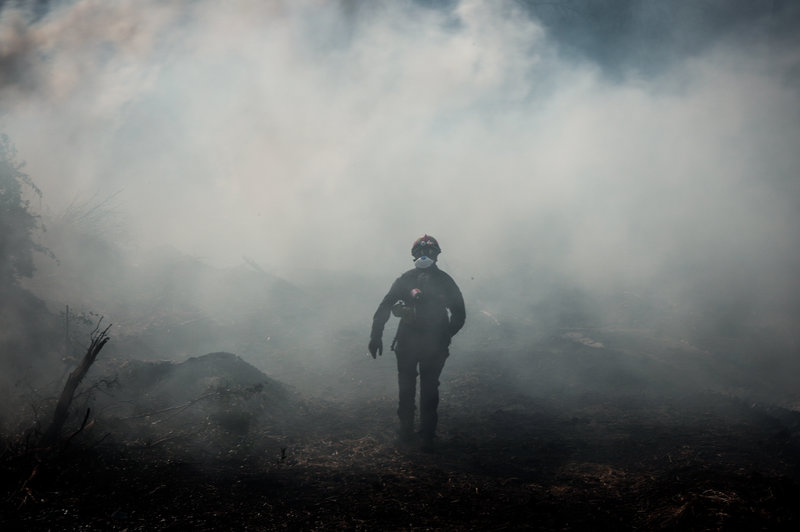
(98, 340)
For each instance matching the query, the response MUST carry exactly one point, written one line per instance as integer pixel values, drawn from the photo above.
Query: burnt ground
(597, 459)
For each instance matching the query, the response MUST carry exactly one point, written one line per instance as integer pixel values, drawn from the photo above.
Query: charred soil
(503, 461)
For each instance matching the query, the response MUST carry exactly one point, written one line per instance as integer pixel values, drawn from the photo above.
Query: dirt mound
(161, 384)
(210, 394)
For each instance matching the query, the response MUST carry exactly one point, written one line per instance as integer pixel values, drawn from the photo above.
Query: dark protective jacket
(429, 319)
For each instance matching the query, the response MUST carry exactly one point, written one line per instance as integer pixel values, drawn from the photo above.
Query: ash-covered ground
(260, 456)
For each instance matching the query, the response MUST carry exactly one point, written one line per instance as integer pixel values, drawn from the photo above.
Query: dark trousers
(429, 358)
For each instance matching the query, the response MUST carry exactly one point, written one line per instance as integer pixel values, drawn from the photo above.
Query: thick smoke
(324, 136)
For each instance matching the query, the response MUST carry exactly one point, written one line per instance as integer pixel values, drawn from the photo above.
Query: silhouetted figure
(421, 297)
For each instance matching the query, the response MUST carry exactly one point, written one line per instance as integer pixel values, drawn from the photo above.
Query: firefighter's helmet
(426, 246)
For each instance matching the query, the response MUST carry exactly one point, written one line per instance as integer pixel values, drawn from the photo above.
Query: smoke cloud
(319, 135)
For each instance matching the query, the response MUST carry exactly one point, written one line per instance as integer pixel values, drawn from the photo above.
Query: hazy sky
(315, 134)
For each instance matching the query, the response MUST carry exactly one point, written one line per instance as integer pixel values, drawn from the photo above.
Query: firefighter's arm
(379, 319)
(458, 313)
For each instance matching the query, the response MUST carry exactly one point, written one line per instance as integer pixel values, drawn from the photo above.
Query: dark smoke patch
(19, 59)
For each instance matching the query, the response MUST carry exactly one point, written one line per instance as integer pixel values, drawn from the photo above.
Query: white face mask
(424, 262)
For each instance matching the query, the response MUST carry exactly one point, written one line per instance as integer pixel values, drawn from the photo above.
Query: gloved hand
(375, 347)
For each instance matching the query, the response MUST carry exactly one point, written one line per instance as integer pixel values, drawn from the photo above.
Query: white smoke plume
(312, 134)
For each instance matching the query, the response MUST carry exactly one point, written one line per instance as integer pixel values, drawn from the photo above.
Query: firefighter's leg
(407, 387)
(430, 368)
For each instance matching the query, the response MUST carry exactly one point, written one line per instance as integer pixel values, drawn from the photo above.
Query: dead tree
(98, 340)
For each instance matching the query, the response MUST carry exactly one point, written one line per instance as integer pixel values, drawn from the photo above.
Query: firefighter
(421, 297)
